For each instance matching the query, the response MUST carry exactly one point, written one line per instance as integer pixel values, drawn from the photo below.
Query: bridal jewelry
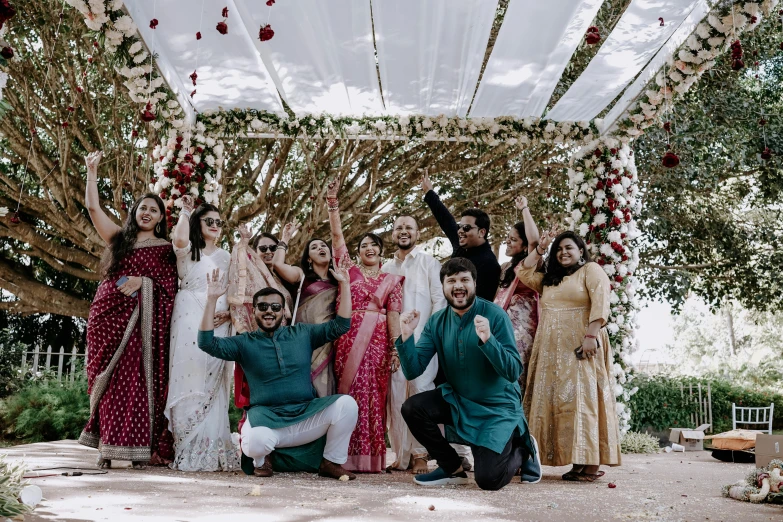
(369, 272)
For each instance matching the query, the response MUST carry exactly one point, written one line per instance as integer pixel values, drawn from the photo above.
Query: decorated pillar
(604, 199)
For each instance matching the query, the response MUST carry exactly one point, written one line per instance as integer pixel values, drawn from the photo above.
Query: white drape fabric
(682, 33)
(430, 53)
(230, 72)
(534, 45)
(321, 56)
(633, 42)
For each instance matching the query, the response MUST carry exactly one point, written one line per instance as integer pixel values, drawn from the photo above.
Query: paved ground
(672, 486)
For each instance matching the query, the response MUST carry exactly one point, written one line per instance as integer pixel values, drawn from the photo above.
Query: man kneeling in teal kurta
(285, 416)
(480, 403)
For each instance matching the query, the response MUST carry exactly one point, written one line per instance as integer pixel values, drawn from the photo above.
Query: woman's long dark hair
(554, 272)
(123, 242)
(509, 276)
(197, 241)
(307, 266)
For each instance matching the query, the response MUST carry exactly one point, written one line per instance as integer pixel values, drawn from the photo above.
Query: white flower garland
(693, 58)
(603, 201)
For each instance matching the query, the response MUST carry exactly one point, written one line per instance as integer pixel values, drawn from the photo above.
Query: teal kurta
(277, 368)
(481, 378)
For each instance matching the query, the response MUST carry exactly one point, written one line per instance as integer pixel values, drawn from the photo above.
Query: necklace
(368, 272)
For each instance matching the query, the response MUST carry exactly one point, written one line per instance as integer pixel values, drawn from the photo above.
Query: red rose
(616, 221)
(597, 153)
(625, 258)
(201, 165)
(599, 185)
(179, 139)
(186, 169)
(65, 124)
(178, 146)
(737, 65)
(147, 115)
(198, 35)
(593, 36)
(225, 12)
(71, 109)
(124, 206)
(670, 160)
(265, 33)
(628, 218)
(270, 3)
(200, 149)
(15, 218)
(193, 78)
(134, 134)
(766, 154)
(164, 195)
(153, 23)
(222, 27)
(7, 53)
(615, 171)
(174, 196)
(189, 158)
(7, 11)
(613, 151)
(193, 93)
(618, 278)
(601, 261)
(79, 89)
(593, 211)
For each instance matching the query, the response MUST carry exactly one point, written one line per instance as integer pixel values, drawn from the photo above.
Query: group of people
(477, 366)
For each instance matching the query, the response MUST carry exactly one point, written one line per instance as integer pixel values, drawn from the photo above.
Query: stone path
(671, 486)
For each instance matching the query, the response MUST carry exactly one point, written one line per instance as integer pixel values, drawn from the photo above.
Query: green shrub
(11, 379)
(658, 403)
(635, 442)
(11, 485)
(46, 410)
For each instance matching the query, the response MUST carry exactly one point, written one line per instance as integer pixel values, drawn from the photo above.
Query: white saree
(199, 384)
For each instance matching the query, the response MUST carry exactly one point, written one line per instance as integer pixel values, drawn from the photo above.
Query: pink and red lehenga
(128, 359)
(362, 363)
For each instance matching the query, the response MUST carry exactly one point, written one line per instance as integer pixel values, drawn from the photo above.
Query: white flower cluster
(196, 148)
(694, 57)
(604, 198)
(492, 131)
(97, 16)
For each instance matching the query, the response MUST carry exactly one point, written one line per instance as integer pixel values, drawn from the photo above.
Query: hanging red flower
(661, 20)
(667, 126)
(265, 33)
(153, 23)
(193, 78)
(79, 89)
(193, 93)
(70, 109)
(15, 218)
(670, 160)
(198, 35)
(736, 56)
(270, 3)
(7, 53)
(147, 115)
(134, 134)
(593, 36)
(766, 154)
(65, 124)
(124, 205)
(225, 12)
(7, 11)
(222, 28)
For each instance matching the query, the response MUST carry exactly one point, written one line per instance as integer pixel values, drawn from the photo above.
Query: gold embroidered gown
(569, 403)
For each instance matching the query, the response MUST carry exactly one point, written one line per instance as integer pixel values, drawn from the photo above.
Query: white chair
(755, 416)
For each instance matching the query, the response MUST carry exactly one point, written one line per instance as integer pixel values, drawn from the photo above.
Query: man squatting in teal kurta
(480, 403)
(285, 416)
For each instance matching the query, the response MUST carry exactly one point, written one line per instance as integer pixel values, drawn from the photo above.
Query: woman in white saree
(199, 384)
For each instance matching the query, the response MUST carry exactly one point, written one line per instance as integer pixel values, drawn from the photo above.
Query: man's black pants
(424, 411)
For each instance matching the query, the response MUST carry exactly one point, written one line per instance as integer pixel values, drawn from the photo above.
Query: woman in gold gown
(569, 399)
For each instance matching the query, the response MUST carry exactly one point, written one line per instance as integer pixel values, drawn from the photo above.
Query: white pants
(337, 422)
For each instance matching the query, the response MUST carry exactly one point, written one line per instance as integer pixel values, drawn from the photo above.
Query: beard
(271, 329)
(469, 299)
(405, 243)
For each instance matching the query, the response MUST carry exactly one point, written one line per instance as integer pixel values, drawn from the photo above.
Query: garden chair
(756, 416)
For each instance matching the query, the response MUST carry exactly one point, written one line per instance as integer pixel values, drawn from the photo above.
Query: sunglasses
(212, 221)
(263, 307)
(466, 228)
(264, 248)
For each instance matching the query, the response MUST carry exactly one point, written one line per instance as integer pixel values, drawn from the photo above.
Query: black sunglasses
(466, 228)
(263, 307)
(212, 221)
(264, 248)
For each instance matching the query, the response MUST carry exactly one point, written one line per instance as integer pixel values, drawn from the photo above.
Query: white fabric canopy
(321, 56)
(535, 43)
(635, 39)
(230, 72)
(430, 53)
(680, 35)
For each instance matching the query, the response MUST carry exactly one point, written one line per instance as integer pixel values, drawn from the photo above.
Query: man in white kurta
(421, 291)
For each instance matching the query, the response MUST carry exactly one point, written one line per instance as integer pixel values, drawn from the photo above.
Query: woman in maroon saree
(365, 356)
(128, 333)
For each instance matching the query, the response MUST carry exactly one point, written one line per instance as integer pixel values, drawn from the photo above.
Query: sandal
(571, 476)
(419, 471)
(589, 477)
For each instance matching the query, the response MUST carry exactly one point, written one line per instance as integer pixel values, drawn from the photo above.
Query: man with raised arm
(468, 239)
(306, 433)
(479, 403)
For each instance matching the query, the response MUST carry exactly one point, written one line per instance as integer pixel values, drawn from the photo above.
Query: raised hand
(408, 323)
(482, 328)
(92, 160)
(187, 203)
(341, 274)
(216, 285)
(290, 230)
(244, 231)
(547, 238)
(332, 188)
(426, 184)
(520, 202)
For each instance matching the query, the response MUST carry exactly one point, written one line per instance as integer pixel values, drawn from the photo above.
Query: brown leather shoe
(265, 470)
(335, 471)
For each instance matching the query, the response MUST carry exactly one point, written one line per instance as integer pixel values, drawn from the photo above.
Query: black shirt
(482, 256)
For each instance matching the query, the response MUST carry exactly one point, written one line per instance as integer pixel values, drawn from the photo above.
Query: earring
(310, 265)
(581, 261)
